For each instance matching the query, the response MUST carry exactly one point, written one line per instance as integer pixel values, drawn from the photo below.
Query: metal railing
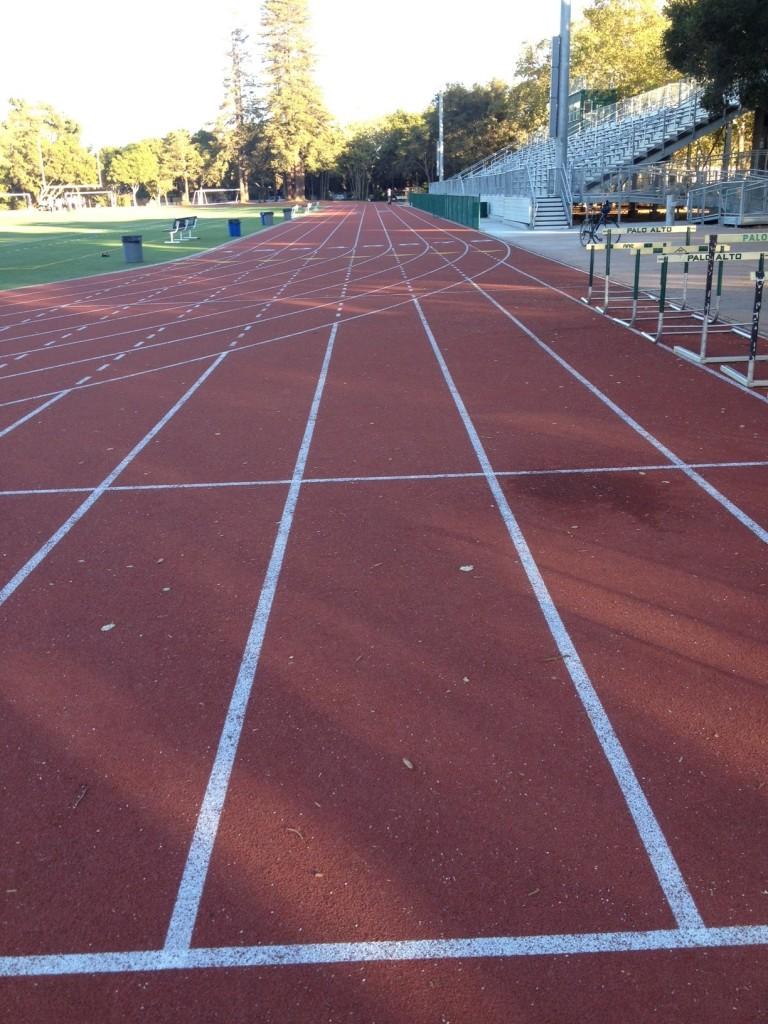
(738, 201)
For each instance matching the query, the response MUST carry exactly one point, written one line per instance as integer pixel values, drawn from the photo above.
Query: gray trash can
(288, 213)
(132, 249)
(267, 217)
(234, 228)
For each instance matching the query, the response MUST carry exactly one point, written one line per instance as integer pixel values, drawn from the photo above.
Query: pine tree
(296, 127)
(239, 115)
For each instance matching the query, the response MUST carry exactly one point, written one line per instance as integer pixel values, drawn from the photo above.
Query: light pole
(440, 140)
(563, 83)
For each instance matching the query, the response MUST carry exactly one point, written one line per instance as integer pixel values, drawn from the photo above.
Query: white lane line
(30, 415)
(83, 380)
(100, 368)
(204, 485)
(49, 343)
(184, 914)
(632, 423)
(402, 950)
(190, 892)
(15, 582)
(670, 877)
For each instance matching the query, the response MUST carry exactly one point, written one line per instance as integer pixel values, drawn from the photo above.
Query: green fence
(461, 209)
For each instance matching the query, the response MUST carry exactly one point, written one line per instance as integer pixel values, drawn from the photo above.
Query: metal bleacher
(616, 148)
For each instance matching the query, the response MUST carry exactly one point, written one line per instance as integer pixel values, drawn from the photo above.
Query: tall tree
(359, 155)
(725, 46)
(38, 146)
(181, 159)
(135, 165)
(296, 121)
(239, 114)
(618, 46)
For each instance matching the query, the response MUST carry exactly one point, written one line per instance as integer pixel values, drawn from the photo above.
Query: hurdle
(711, 324)
(748, 379)
(658, 307)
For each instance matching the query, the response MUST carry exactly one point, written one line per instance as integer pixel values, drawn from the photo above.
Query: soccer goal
(14, 199)
(215, 196)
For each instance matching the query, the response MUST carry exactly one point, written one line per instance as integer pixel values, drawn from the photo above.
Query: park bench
(181, 230)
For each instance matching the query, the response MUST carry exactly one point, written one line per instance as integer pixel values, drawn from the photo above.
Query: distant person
(390, 196)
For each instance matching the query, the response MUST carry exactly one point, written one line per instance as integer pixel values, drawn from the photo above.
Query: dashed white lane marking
(100, 368)
(138, 344)
(119, 356)
(15, 582)
(49, 343)
(22, 356)
(83, 380)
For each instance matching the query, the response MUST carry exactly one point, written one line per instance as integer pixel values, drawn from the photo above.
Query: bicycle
(596, 226)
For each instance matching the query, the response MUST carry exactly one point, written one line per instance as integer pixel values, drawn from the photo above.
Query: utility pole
(440, 168)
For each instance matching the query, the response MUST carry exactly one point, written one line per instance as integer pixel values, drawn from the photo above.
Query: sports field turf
(39, 248)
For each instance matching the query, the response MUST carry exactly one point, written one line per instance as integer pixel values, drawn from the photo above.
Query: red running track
(384, 641)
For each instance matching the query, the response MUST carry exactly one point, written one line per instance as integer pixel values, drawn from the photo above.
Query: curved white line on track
(267, 341)
(574, 299)
(738, 513)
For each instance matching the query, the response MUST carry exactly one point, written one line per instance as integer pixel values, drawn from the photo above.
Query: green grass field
(37, 248)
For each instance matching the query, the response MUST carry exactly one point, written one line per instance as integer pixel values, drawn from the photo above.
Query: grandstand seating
(607, 148)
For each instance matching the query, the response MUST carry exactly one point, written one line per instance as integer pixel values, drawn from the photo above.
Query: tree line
(274, 136)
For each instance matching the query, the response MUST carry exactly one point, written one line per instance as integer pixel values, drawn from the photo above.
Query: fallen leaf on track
(466, 568)
(79, 795)
(107, 626)
(407, 763)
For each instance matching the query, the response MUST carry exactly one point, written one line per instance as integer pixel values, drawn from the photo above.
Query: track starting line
(502, 947)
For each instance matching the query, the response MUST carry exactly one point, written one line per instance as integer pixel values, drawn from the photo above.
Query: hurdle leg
(635, 287)
(718, 292)
(662, 298)
(607, 289)
(684, 301)
(591, 276)
(707, 296)
(748, 378)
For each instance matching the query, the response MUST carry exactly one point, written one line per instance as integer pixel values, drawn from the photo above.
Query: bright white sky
(130, 71)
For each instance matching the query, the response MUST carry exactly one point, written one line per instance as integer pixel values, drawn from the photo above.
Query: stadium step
(550, 213)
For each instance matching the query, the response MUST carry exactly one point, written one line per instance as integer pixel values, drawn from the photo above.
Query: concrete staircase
(550, 214)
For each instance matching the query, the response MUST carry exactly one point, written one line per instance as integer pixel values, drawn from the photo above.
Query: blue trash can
(234, 228)
(132, 249)
(267, 218)
(288, 213)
